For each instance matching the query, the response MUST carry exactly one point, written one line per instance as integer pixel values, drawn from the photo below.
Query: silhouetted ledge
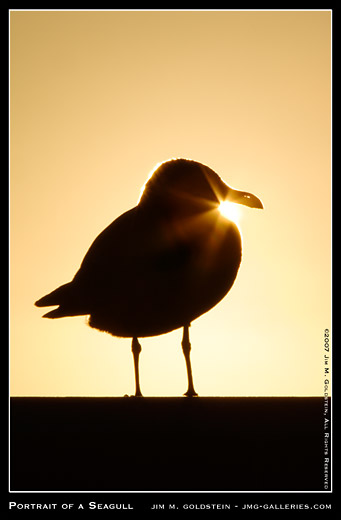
(167, 444)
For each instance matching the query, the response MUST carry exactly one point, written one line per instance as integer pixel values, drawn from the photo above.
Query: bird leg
(186, 348)
(136, 349)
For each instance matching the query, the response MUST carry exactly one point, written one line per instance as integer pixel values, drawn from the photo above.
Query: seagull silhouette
(162, 264)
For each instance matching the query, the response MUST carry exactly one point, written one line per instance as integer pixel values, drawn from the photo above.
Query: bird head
(183, 186)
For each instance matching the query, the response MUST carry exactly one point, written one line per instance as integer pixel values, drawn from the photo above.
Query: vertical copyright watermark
(326, 410)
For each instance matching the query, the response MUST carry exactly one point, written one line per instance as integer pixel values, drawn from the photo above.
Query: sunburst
(230, 210)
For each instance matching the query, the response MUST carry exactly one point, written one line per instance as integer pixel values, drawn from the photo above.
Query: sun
(230, 210)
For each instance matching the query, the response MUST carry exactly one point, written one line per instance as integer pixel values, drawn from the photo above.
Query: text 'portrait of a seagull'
(162, 264)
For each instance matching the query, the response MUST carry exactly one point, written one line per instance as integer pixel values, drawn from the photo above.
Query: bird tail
(61, 297)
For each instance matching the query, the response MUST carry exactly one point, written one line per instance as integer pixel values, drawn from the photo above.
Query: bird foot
(191, 393)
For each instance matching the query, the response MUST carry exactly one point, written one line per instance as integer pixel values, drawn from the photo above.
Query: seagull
(160, 265)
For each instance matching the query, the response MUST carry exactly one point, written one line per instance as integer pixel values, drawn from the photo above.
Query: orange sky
(96, 100)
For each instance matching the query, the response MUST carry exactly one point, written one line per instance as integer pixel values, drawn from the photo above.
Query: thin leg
(186, 348)
(136, 349)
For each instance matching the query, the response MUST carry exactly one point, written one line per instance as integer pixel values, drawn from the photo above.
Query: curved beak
(243, 197)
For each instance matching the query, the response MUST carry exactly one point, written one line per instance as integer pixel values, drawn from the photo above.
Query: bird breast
(150, 276)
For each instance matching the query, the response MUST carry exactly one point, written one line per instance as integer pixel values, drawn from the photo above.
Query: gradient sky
(96, 100)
